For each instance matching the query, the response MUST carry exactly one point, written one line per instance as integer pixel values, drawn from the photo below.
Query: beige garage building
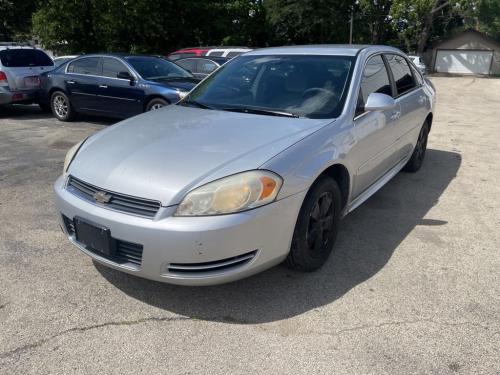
(469, 52)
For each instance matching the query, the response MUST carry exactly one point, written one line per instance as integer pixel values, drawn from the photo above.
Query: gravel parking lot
(414, 285)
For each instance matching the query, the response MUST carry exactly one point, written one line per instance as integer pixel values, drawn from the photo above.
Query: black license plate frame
(94, 237)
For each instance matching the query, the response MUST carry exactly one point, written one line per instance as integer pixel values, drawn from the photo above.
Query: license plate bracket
(32, 81)
(94, 237)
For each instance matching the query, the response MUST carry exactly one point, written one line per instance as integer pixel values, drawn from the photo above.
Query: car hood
(163, 154)
(182, 84)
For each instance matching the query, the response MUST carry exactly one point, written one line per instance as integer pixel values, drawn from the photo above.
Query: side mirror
(124, 75)
(379, 102)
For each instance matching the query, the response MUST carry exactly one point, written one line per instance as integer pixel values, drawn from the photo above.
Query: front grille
(117, 201)
(125, 252)
(70, 226)
(227, 264)
(128, 252)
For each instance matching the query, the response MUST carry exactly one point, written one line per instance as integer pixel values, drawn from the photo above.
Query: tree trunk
(425, 33)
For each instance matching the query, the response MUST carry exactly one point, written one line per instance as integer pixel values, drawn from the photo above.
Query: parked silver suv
(20, 68)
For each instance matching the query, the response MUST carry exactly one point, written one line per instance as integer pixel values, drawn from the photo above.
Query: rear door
(411, 99)
(82, 81)
(22, 66)
(117, 96)
(375, 133)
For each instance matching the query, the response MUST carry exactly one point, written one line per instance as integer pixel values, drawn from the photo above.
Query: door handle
(395, 115)
(103, 86)
(71, 82)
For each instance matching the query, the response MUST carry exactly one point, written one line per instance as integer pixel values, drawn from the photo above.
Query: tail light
(3, 79)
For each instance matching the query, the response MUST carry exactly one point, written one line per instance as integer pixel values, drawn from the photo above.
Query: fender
(301, 164)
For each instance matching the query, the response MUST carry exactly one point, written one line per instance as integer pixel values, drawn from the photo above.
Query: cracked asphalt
(413, 287)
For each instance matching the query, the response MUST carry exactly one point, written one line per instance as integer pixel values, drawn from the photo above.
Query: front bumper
(21, 96)
(265, 232)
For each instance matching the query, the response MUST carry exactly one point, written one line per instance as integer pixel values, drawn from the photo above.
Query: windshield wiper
(194, 103)
(259, 111)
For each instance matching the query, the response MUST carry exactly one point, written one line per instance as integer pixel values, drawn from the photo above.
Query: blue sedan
(113, 85)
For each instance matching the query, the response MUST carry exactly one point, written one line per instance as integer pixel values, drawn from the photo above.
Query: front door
(117, 96)
(375, 133)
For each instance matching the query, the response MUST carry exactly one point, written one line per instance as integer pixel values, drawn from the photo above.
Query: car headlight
(235, 193)
(182, 94)
(70, 155)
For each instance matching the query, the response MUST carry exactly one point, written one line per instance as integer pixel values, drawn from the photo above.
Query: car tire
(317, 226)
(155, 104)
(418, 155)
(61, 106)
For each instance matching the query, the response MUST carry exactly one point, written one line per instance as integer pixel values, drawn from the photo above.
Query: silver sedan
(256, 166)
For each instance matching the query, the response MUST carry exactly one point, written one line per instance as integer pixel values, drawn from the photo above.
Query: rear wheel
(317, 226)
(417, 158)
(155, 104)
(61, 106)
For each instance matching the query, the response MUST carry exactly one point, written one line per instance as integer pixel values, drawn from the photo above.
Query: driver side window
(375, 79)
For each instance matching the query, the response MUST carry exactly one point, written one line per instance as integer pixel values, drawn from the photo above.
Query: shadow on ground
(33, 112)
(366, 242)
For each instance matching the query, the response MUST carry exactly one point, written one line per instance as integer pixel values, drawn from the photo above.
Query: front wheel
(417, 158)
(61, 106)
(317, 226)
(155, 104)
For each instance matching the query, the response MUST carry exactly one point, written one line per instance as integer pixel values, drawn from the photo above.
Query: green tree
(488, 17)
(309, 21)
(419, 22)
(144, 26)
(69, 26)
(15, 19)
(373, 20)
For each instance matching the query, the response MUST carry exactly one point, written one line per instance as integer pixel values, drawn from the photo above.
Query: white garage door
(463, 61)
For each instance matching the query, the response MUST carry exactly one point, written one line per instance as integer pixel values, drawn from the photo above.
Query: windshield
(306, 86)
(20, 57)
(157, 69)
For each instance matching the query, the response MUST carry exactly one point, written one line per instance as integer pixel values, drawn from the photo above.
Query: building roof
(464, 33)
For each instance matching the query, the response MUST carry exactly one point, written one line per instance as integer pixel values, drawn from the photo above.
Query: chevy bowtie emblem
(101, 197)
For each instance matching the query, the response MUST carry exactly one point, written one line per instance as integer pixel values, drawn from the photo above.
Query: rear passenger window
(402, 73)
(88, 65)
(375, 79)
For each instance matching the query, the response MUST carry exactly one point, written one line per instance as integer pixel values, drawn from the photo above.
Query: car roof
(118, 54)
(2, 47)
(217, 59)
(321, 49)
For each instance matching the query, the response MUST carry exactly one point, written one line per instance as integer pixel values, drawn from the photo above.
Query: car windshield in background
(157, 69)
(294, 85)
(19, 57)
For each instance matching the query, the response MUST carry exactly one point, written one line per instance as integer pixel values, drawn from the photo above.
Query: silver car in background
(256, 166)
(419, 63)
(20, 68)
